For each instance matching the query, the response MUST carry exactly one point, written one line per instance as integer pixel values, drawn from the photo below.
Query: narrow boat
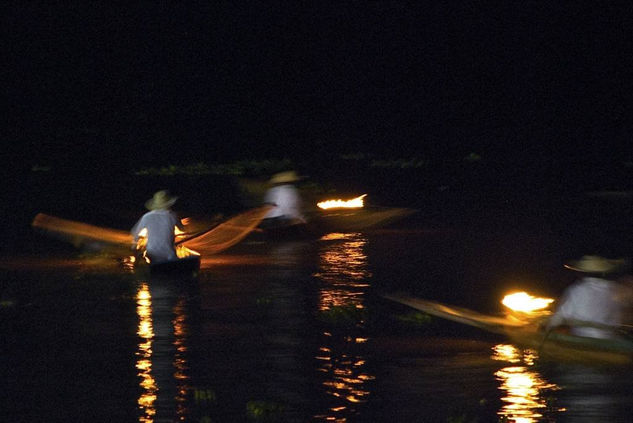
(322, 222)
(528, 333)
(187, 266)
(566, 347)
(358, 219)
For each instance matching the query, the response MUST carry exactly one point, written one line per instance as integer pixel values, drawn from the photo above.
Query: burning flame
(524, 302)
(357, 202)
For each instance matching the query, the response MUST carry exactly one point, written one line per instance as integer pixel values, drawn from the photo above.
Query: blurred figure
(159, 222)
(285, 196)
(594, 306)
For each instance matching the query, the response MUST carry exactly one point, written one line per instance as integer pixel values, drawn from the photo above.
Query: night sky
(177, 82)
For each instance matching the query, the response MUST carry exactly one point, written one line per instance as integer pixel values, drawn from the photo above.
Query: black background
(112, 86)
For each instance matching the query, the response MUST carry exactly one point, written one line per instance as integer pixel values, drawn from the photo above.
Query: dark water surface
(298, 332)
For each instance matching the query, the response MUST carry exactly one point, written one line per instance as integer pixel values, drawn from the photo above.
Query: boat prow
(495, 324)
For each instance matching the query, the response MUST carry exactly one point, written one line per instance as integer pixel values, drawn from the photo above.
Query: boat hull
(350, 220)
(322, 222)
(565, 347)
(187, 266)
(552, 345)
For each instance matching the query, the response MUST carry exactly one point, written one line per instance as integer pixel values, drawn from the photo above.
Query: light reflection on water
(343, 274)
(343, 271)
(144, 354)
(180, 362)
(523, 389)
(150, 370)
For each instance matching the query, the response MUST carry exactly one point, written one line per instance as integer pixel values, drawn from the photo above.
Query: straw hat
(284, 177)
(596, 264)
(160, 200)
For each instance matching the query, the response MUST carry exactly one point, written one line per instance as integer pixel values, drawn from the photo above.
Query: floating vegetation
(345, 315)
(7, 303)
(415, 318)
(353, 156)
(264, 410)
(263, 167)
(412, 163)
(461, 418)
(472, 158)
(41, 168)
(204, 396)
(264, 301)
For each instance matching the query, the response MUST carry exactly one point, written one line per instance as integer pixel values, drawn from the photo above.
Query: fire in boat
(526, 303)
(354, 203)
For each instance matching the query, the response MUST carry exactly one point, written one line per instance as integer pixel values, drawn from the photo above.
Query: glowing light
(144, 352)
(524, 399)
(148, 382)
(524, 302)
(182, 251)
(354, 203)
(343, 272)
(524, 390)
(504, 352)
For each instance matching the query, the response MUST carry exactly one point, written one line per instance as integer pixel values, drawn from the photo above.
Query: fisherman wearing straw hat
(285, 196)
(159, 222)
(593, 306)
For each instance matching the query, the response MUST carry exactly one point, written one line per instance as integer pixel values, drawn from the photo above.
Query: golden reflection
(343, 269)
(524, 389)
(144, 354)
(343, 274)
(180, 362)
(128, 263)
(149, 387)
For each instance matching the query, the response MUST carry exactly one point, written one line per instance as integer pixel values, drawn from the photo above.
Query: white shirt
(160, 234)
(286, 198)
(592, 300)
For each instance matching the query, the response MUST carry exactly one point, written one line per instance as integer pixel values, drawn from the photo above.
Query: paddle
(547, 332)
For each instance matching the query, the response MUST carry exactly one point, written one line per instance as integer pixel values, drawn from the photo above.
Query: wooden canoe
(350, 220)
(322, 222)
(527, 333)
(187, 266)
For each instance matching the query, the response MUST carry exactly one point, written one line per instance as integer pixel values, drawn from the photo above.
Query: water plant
(414, 318)
(204, 395)
(264, 410)
(344, 315)
(261, 167)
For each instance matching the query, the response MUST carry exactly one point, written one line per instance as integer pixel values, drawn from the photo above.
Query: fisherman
(285, 196)
(160, 223)
(594, 306)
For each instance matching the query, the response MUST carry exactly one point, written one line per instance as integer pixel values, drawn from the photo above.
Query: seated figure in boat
(595, 305)
(284, 195)
(158, 227)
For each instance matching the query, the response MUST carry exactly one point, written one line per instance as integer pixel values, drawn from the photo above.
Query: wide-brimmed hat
(284, 177)
(160, 200)
(597, 264)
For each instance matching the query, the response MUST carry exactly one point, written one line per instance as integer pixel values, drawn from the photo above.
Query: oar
(547, 332)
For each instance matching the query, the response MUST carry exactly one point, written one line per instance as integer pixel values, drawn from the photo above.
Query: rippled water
(295, 332)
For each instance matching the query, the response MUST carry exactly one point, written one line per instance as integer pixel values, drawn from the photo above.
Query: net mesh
(228, 233)
(213, 241)
(79, 232)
